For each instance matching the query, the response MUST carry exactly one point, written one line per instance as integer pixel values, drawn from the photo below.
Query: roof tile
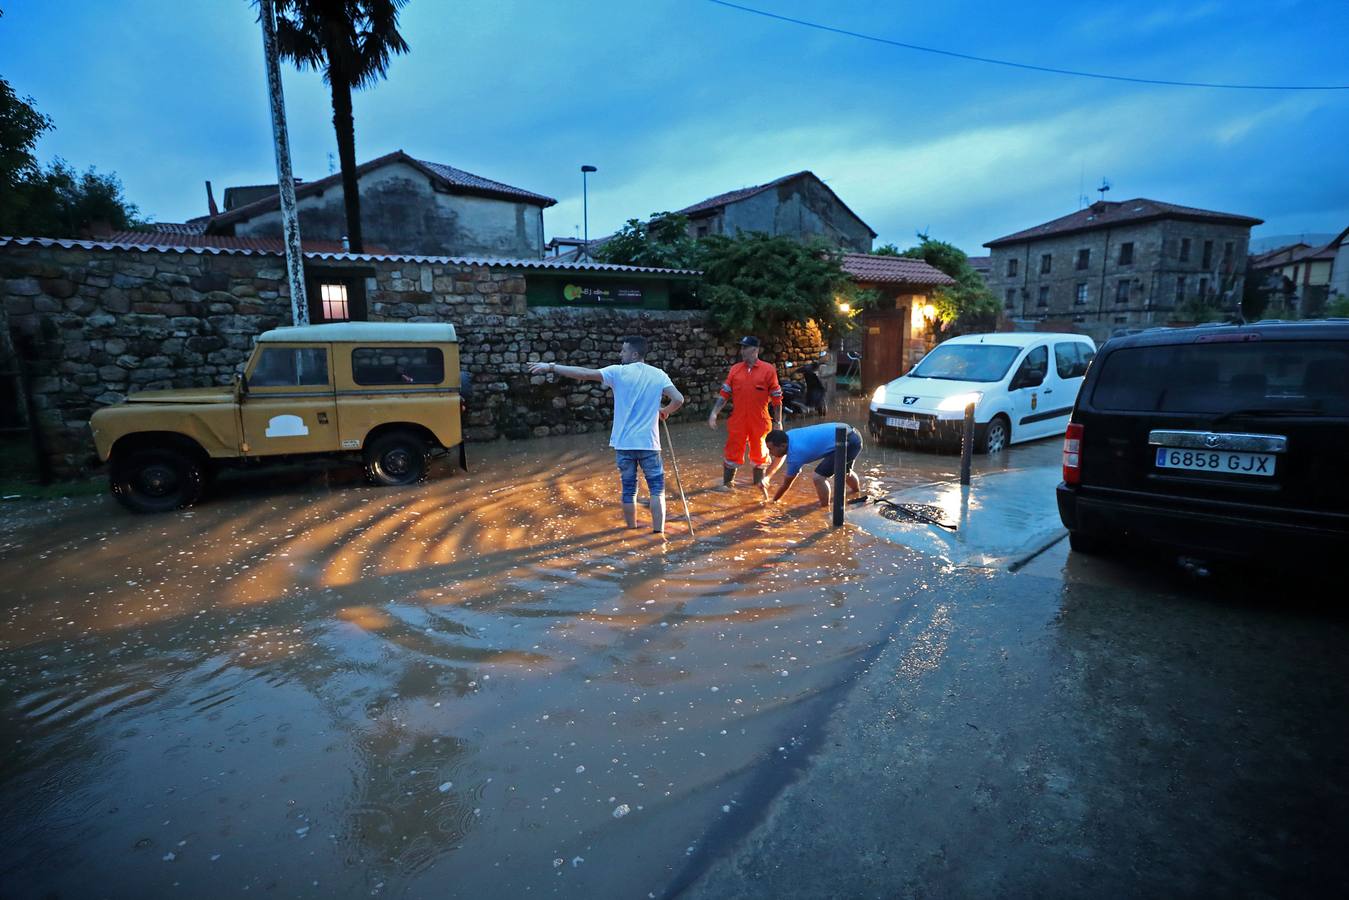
(866, 267)
(1106, 214)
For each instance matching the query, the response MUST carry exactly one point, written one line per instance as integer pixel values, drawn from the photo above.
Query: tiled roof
(720, 200)
(174, 240)
(1107, 214)
(980, 263)
(266, 249)
(178, 227)
(865, 267)
(1295, 253)
(457, 179)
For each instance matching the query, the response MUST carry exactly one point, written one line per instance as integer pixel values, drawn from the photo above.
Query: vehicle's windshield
(967, 362)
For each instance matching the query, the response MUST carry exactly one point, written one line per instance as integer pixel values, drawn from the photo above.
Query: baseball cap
(749, 341)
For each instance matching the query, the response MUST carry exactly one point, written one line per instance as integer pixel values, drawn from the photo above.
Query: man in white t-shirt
(638, 389)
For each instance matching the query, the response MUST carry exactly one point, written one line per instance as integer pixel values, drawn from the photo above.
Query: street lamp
(585, 207)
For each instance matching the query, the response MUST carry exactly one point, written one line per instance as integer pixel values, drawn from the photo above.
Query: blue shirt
(805, 445)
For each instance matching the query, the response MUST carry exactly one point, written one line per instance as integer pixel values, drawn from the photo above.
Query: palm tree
(351, 43)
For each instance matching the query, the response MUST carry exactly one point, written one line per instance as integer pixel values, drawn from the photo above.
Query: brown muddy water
(480, 686)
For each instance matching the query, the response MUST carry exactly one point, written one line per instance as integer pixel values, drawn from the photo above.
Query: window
(1011, 268)
(336, 294)
(1228, 247)
(1208, 255)
(1126, 254)
(397, 365)
(1121, 320)
(702, 231)
(1081, 298)
(967, 362)
(1071, 358)
(1203, 289)
(1083, 258)
(1046, 263)
(333, 298)
(1011, 298)
(1215, 378)
(1180, 289)
(1043, 299)
(1033, 369)
(1184, 249)
(290, 367)
(1122, 291)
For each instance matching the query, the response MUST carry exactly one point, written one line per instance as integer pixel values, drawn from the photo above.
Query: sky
(677, 100)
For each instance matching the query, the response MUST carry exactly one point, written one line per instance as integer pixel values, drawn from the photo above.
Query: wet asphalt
(482, 686)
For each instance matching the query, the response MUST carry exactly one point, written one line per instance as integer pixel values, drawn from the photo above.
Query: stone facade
(99, 323)
(1158, 266)
(800, 207)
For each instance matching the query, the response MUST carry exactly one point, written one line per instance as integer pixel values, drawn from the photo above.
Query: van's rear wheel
(156, 479)
(399, 457)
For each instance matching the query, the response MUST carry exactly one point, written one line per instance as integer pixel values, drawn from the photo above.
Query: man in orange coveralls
(752, 386)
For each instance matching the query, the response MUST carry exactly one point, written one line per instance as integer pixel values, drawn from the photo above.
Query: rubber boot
(727, 477)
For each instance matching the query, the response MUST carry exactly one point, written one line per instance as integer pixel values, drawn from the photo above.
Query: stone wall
(100, 322)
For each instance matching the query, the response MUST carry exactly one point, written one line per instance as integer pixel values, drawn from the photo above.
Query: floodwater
(479, 686)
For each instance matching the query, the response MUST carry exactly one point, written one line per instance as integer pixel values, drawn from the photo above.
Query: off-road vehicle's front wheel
(156, 479)
(398, 457)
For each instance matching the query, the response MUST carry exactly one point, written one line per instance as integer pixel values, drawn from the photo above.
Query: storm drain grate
(913, 512)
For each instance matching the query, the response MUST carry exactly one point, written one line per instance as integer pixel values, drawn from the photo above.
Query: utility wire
(1016, 65)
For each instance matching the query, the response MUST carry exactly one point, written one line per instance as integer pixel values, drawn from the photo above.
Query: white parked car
(1022, 385)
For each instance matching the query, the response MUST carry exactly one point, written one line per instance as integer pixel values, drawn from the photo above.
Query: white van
(1022, 385)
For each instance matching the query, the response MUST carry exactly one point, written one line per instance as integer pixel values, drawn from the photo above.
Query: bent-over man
(802, 446)
(638, 389)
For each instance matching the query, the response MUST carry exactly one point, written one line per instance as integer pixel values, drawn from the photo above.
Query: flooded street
(480, 686)
(315, 686)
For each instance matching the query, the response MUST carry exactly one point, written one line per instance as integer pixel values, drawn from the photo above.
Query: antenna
(1081, 185)
(1105, 186)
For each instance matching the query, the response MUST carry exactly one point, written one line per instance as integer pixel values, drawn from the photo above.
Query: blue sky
(676, 100)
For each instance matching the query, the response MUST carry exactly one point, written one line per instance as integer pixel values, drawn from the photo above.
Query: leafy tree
(886, 250)
(754, 282)
(56, 201)
(968, 305)
(1338, 308)
(1255, 294)
(20, 127)
(662, 242)
(351, 42)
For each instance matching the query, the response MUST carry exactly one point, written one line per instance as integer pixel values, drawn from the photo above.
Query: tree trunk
(344, 125)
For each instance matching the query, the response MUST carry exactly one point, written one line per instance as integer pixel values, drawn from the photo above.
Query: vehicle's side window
(291, 367)
(1033, 368)
(397, 365)
(1067, 359)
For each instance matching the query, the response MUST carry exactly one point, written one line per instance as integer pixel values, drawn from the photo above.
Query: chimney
(210, 201)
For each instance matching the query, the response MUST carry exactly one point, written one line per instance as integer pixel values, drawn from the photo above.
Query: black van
(1216, 441)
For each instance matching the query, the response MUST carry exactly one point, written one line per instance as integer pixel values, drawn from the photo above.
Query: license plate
(1224, 461)
(896, 422)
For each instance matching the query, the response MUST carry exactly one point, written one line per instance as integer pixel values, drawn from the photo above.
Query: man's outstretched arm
(783, 488)
(577, 372)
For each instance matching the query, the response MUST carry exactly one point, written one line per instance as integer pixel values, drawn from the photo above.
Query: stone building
(800, 206)
(1119, 264)
(408, 206)
(96, 320)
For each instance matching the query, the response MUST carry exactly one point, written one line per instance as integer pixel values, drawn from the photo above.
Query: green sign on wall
(584, 294)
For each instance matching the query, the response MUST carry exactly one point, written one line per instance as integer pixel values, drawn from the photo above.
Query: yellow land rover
(388, 391)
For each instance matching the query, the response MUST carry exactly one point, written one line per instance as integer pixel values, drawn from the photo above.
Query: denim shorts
(652, 469)
(826, 466)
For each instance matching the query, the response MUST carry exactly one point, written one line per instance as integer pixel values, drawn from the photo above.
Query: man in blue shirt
(802, 446)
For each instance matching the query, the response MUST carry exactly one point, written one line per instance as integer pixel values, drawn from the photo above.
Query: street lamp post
(585, 208)
(285, 181)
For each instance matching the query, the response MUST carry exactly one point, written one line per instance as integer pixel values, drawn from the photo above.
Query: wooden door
(884, 332)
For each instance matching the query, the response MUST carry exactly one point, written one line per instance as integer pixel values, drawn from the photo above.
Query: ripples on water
(313, 688)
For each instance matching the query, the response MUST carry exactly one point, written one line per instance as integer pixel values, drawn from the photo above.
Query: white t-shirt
(637, 390)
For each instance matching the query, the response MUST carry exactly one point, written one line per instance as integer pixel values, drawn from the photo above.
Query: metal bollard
(967, 444)
(840, 464)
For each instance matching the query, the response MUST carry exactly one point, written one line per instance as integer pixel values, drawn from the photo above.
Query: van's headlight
(960, 401)
(878, 395)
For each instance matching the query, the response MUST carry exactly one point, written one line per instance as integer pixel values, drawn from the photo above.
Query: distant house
(1300, 272)
(799, 206)
(983, 265)
(1339, 271)
(408, 206)
(895, 333)
(1119, 264)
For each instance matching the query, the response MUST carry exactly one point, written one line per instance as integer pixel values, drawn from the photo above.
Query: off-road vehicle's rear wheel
(399, 457)
(156, 479)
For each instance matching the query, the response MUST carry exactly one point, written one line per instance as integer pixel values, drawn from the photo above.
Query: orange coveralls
(750, 391)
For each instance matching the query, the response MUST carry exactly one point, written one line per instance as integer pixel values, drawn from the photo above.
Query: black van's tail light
(1072, 454)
